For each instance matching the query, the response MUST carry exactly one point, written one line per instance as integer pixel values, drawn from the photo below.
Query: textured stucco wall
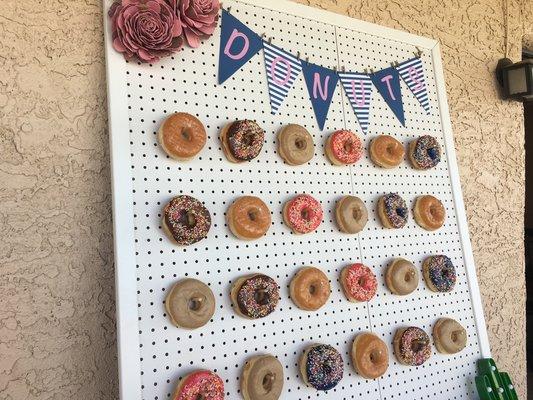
(57, 337)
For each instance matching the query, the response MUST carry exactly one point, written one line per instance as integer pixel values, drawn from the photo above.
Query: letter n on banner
(387, 81)
(238, 44)
(282, 69)
(321, 83)
(358, 88)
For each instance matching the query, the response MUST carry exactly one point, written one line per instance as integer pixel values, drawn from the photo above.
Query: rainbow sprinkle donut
(255, 296)
(321, 367)
(412, 346)
(439, 273)
(359, 282)
(200, 385)
(303, 213)
(344, 147)
(424, 152)
(392, 211)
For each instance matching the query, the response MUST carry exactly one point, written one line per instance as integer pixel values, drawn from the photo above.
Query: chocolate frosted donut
(255, 296)
(439, 273)
(424, 152)
(242, 140)
(186, 220)
(321, 367)
(412, 346)
(262, 378)
(190, 304)
(295, 144)
(392, 211)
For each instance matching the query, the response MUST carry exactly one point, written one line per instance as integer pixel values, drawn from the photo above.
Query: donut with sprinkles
(204, 385)
(358, 282)
(242, 140)
(344, 147)
(412, 346)
(303, 214)
(186, 220)
(439, 273)
(321, 367)
(393, 211)
(255, 296)
(424, 152)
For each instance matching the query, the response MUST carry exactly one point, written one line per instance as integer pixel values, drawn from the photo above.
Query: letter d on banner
(321, 83)
(237, 45)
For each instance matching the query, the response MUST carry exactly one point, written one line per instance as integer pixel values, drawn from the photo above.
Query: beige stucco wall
(57, 338)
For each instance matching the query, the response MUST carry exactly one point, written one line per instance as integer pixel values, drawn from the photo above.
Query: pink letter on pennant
(234, 35)
(386, 79)
(413, 74)
(273, 68)
(360, 102)
(316, 87)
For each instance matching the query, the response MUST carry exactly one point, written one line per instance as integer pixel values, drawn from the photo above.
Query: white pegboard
(153, 353)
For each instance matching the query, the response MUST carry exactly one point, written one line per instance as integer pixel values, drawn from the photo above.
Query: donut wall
(153, 353)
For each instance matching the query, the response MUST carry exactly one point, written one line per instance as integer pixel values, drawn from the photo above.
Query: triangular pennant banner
(358, 88)
(282, 69)
(387, 81)
(321, 83)
(238, 44)
(412, 72)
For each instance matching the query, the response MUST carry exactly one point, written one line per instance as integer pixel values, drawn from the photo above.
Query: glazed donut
(255, 296)
(424, 152)
(358, 282)
(344, 147)
(295, 144)
(386, 152)
(370, 356)
(190, 304)
(439, 273)
(248, 218)
(412, 346)
(392, 211)
(310, 289)
(262, 378)
(186, 220)
(429, 212)
(242, 140)
(351, 214)
(321, 367)
(182, 136)
(401, 277)
(200, 385)
(449, 336)
(303, 213)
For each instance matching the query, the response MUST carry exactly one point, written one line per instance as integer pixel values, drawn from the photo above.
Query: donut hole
(456, 336)
(408, 277)
(313, 289)
(401, 212)
(200, 397)
(418, 345)
(261, 297)
(327, 368)
(446, 273)
(248, 139)
(348, 146)
(432, 153)
(390, 149)
(188, 219)
(195, 303)
(300, 144)
(306, 214)
(268, 381)
(186, 134)
(356, 214)
(253, 214)
(375, 356)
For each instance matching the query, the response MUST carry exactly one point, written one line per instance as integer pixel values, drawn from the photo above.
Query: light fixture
(516, 79)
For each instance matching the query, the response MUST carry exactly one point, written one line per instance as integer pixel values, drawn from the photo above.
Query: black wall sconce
(516, 79)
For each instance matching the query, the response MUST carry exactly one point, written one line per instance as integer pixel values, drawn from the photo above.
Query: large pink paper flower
(198, 18)
(145, 29)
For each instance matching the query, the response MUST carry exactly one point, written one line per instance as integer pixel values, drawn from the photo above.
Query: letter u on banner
(358, 88)
(238, 44)
(321, 83)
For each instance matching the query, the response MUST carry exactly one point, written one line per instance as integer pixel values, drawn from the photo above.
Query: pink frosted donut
(204, 385)
(344, 147)
(303, 213)
(359, 282)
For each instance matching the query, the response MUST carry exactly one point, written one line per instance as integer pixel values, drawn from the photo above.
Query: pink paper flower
(198, 18)
(145, 29)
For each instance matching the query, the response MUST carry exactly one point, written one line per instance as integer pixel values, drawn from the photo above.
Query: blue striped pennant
(412, 72)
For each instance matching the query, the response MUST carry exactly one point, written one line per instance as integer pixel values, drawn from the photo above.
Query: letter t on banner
(321, 83)
(237, 45)
(387, 81)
